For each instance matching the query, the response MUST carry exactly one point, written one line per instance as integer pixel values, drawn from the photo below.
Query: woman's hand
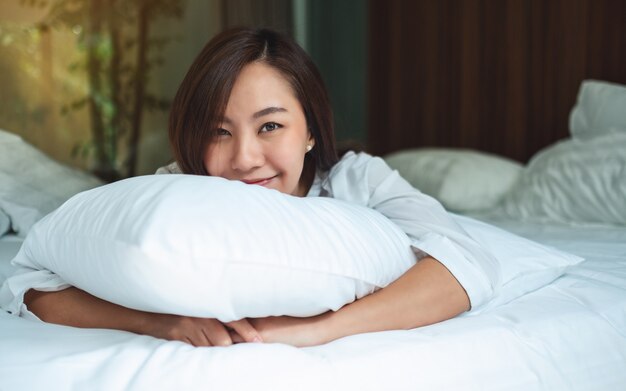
(77, 308)
(299, 332)
(427, 293)
(201, 331)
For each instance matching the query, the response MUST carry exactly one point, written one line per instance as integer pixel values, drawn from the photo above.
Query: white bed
(567, 335)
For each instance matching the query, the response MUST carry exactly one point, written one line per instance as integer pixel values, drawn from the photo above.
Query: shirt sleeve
(15, 287)
(369, 181)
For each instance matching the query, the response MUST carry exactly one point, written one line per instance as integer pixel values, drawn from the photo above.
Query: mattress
(568, 335)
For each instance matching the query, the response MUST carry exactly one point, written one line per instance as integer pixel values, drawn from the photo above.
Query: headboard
(495, 75)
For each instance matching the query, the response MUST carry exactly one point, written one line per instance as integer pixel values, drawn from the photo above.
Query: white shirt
(369, 181)
(363, 180)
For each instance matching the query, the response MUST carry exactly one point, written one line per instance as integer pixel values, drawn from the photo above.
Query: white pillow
(32, 185)
(462, 180)
(573, 181)
(525, 265)
(9, 246)
(209, 247)
(599, 110)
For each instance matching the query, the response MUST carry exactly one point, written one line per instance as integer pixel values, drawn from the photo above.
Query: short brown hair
(203, 94)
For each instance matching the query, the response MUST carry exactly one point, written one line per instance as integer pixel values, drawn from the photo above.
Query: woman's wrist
(327, 327)
(150, 323)
(142, 322)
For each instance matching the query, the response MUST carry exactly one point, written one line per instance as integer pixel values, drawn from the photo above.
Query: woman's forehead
(260, 90)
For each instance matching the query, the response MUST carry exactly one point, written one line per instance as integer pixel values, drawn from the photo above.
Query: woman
(253, 108)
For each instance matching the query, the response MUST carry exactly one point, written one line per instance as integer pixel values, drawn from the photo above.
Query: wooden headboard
(495, 75)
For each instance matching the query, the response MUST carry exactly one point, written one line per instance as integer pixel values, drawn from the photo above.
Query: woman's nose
(248, 154)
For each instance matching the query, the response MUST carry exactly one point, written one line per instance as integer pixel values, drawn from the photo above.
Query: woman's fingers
(245, 330)
(195, 331)
(190, 330)
(203, 331)
(236, 337)
(216, 333)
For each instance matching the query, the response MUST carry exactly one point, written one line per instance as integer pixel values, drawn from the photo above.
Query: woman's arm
(74, 307)
(370, 182)
(427, 293)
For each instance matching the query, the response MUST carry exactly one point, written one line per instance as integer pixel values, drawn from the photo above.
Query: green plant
(119, 55)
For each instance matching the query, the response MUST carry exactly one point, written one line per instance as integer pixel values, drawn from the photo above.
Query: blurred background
(89, 82)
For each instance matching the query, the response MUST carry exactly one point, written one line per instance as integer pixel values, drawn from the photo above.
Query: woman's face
(263, 136)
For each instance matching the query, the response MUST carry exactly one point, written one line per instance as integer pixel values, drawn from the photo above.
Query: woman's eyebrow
(260, 113)
(268, 110)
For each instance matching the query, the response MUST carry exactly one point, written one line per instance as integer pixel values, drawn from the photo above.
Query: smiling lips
(260, 182)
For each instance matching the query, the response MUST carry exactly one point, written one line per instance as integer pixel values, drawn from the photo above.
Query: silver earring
(309, 147)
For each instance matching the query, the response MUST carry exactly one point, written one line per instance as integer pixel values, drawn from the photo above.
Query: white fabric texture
(462, 180)
(600, 110)
(210, 247)
(9, 246)
(33, 185)
(573, 181)
(480, 256)
(369, 181)
(568, 335)
(525, 264)
(470, 253)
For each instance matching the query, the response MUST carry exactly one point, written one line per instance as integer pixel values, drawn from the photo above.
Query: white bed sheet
(569, 335)
(9, 246)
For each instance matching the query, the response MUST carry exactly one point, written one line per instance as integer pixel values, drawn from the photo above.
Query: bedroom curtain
(495, 75)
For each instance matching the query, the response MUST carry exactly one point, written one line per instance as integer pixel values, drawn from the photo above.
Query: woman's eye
(222, 132)
(270, 126)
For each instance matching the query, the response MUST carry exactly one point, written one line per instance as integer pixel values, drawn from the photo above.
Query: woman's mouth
(259, 181)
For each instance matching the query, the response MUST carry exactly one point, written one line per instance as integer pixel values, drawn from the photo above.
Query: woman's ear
(311, 140)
